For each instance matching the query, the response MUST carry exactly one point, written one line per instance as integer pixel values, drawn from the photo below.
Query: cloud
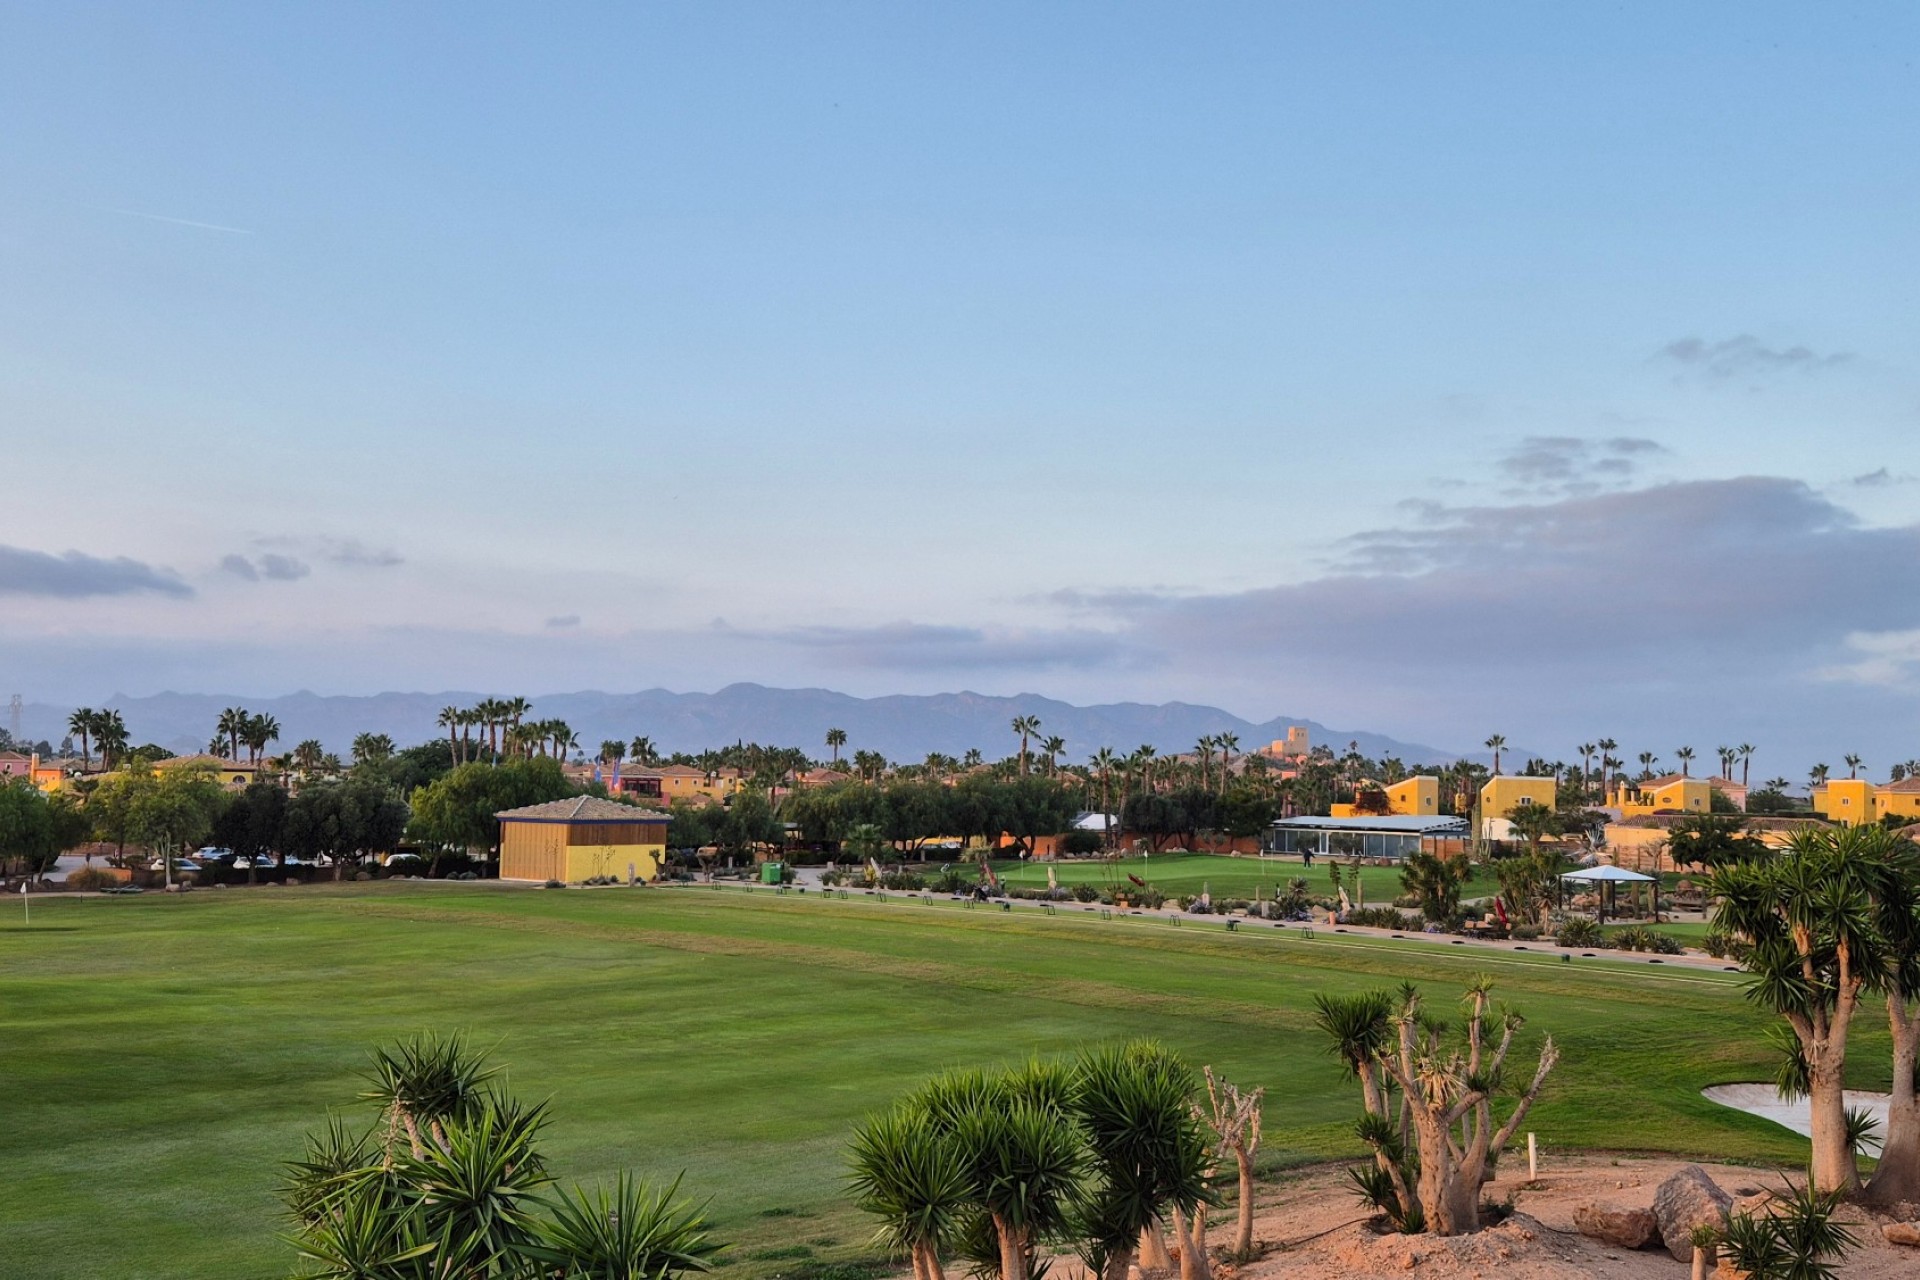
(910, 646)
(1881, 479)
(1746, 355)
(1570, 465)
(74, 574)
(272, 567)
(1723, 590)
(178, 222)
(564, 622)
(1880, 659)
(348, 553)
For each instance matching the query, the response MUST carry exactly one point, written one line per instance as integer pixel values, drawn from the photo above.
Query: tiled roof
(583, 809)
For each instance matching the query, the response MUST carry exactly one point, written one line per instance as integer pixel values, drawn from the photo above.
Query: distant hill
(900, 727)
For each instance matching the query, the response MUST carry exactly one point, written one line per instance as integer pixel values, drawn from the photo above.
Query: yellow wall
(1502, 794)
(586, 861)
(1416, 797)
(1904, 803)
(1848, 800)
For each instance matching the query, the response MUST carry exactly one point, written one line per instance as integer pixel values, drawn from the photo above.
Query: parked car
(213, 853)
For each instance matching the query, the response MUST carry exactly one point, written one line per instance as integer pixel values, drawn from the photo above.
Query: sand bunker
(1761, 1100)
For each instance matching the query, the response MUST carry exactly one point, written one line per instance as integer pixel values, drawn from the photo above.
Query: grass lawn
(162, 1055)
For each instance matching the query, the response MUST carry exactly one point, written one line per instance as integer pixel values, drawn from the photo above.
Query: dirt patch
(1324, 1233)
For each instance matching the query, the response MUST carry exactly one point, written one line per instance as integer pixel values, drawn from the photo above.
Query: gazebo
(1609, 878)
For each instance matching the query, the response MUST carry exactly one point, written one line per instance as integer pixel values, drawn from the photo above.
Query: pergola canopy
(1614, 874)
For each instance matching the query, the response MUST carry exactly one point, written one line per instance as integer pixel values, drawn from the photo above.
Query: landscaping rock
(1621, 1228)
(1687, 1200)
(1907, 1233)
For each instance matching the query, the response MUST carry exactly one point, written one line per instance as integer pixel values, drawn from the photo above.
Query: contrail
(178, 222)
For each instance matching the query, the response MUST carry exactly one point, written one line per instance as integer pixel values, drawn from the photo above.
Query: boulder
(1687, 1200)
(1621, 1228)
(1907, 1233)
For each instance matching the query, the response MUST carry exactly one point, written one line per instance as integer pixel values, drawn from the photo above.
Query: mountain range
(900, 726)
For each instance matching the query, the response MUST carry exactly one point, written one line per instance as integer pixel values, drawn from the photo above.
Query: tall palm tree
(1607, 747)
(110, 735)
(1104, 763)
(1203, 755)
(449, 719)
(1647, 759)
(1853, 763)
(1685, 756)
(307, 755)
(261, 730)
(1143, 757)
(1496, 744)
(371, 746)
(1727, 756)
(1228, 743)
(564, 738)
(1024, 726)
(516, 709)
(230, 725)
(836, 739)
(1746, 761)
(972, 759)
(1818, 775)
(81, 725)
(644, 753)
(1052, 747)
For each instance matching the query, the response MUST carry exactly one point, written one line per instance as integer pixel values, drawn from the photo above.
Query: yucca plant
(1799, 1241)
(629, 1231)
(422, 1083)
(1026, 1163)
(475, 1186)
(1148, 1150)
(911, 1176)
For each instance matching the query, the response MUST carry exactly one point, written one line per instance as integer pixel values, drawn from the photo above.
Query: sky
(1551, 371)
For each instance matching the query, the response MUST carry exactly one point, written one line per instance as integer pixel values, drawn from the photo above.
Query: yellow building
(233, 774)
(685, 782)
(581, 838)
(1410, 797)
(1505, 792)
(1855, 800)
(1675, 793)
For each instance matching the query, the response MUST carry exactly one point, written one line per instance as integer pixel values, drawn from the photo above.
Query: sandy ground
(1323, 1233)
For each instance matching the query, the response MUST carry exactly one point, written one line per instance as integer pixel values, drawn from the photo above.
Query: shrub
(1085, 893)
(1580, 932)
(1719, 944)
(1382, 918)
(905, 881)
(89, 880)
(1640, 938)
(950, 880)
(1525, 932)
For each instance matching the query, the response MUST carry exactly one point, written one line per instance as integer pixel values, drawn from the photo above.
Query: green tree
(836, 739)
(26, 831)
(1711, 840)
(1436, 881)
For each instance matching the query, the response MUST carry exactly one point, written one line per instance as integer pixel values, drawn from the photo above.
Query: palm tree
(972, 759)
(1025, 725)
(1228, 743)
(1203, 755)
(1052, 748)
(1853, 763)
(1746, 761)
(612, 750)
(261, 730)
(81, 725)
(914, 1179)
(1586, 767)
(1143, 756)
(1104, 761)
(110, 735)
(564, 738)
(1685, 756)
(232, 722)
(307, 755)
(1647, 759)
(836, 739)
(1818, 775)
(1607, 747)
(1727, 756)
(1496, 744)
(450, 720)
(371, 746)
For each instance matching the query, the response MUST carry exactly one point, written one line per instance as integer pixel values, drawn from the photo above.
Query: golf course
(164, 1054)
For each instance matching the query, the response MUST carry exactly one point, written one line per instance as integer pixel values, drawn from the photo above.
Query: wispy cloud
(178, 222)
(1881, 479)
(74, 575)
(271, 567)
(1880, 659)
(564, 622)
(1573, 465)
(348, 553)
(1745, 355)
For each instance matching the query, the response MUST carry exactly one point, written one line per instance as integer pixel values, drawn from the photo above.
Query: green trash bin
(773, 872)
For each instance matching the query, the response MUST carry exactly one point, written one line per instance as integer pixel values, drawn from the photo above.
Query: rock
(1754, 1203)
(1621, 1228)
(1687, 1200)
(1907, 1233)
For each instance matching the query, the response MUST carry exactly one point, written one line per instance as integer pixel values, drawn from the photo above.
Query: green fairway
(1184, 874)
(162, 1055)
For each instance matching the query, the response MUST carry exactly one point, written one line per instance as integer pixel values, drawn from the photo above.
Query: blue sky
(1440, 369)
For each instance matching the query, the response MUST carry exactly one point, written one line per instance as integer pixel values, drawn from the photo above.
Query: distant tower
(13, 718)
